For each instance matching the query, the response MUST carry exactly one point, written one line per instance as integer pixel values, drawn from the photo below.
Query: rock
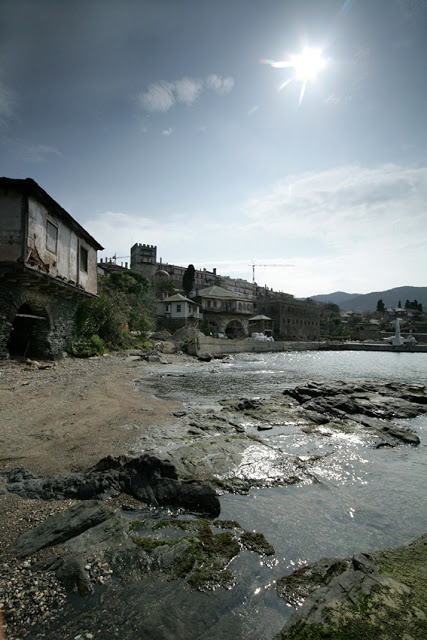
(377, 595)
(245, 404)
(74, 576)
(160, 335)
(368, 403)
(61, 527)
(146, 478)
(205, 357)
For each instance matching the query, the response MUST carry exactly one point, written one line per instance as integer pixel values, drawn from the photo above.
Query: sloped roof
(178, 298)
(218, 292)
(28, 186)
(261, 317)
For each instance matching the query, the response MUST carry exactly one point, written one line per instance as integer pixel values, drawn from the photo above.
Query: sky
(193, 126)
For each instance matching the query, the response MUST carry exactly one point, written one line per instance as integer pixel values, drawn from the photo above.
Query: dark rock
(146, 478)
(73, 576)
(205, 357)
(61, 527)
(246, 404)
(161, 335)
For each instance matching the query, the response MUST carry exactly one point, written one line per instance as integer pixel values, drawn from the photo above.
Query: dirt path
(69, 415)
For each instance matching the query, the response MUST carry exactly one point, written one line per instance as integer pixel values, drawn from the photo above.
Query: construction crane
(253, 265)
(114, 257)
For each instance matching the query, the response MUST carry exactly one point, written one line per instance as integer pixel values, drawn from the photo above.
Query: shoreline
(105, 412)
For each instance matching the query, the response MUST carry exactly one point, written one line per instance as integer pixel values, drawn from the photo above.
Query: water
(365, 499)
(270, 373)
(360, 500)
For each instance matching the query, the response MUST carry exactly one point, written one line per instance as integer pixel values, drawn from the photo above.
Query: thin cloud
(162, 96)
(35, 153)
(158, 97)
(188, 90)
(7, 103)
(167, 132)
(219, 85)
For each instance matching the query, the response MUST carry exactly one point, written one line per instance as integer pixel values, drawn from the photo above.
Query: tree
(124, 302)
(188, 279)
(380, 306)
(399, 306)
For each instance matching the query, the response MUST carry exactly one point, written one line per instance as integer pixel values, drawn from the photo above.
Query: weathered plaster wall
(65, 262)
(11, 227)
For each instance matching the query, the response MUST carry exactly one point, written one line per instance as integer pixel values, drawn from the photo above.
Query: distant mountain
(368, 301)
(338, 297)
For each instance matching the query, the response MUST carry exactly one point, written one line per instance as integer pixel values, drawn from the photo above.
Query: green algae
(394, 609)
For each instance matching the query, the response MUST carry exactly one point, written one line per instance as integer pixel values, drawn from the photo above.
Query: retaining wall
(218, 346)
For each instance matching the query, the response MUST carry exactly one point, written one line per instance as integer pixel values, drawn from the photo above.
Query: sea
(362, 500)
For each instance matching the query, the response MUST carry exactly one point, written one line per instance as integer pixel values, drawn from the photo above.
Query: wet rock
(381, 595)
(246, 404)
(146, 478)
(370, 404)
(61, 527)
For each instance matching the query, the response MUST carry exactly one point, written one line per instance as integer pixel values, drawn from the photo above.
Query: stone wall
(218, 346)
(46, 336)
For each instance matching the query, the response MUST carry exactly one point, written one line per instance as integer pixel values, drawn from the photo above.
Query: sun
(307, 65)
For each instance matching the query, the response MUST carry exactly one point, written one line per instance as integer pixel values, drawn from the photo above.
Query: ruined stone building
(292, 319)
(48, 263)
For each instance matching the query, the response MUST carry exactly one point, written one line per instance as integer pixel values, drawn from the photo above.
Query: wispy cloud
(167, 132)
(7, 103)
(351, 228)
(31, 152)
(158, 97)
(219, 85)
(162, 96)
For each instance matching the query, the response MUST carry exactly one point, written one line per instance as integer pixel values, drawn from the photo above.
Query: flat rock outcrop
(371, 404)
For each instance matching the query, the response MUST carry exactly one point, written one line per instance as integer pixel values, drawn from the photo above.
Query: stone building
(292, 319)
(48, 263)
(226, 312)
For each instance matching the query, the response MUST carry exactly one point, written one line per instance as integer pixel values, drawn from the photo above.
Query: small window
(52, 238)
(166, 307)
(178, 308)
(83, 259)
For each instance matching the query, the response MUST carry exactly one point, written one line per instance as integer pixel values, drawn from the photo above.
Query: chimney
(101, 260)
(126, 265)
(214, 271)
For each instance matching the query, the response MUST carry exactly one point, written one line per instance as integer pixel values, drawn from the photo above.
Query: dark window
(178, 308)
(52, 237)
(83, 259)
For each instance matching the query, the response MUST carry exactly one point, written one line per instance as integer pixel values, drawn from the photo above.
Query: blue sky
(157, 122)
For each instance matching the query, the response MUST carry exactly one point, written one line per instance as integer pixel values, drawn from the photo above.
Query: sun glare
(307, 65)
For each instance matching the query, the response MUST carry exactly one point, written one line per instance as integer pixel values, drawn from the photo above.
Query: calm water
(361, 499)
(365, 498)
(262, 374)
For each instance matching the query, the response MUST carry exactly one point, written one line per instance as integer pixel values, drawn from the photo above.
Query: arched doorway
(29, 333)
(234, 330)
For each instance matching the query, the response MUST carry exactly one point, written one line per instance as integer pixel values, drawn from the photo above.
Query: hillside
(368, 301)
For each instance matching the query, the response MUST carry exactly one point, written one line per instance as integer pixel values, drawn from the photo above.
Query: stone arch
(235, 330)
(30, 328)
(214, 327)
